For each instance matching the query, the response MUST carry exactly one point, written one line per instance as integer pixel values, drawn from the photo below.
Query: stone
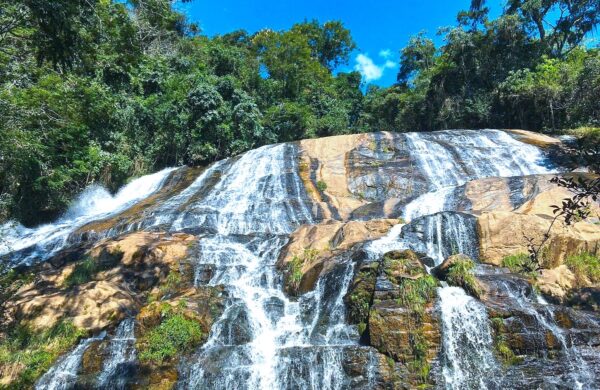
(556, 282)
(325, 240)
(130, 265)
(536, 139)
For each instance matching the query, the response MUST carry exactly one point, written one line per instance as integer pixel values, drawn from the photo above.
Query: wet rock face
(392, 300)
(382, 168)
(541, 345)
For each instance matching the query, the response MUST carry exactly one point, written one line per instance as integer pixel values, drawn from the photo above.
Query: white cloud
(385, 53)
(369, 70)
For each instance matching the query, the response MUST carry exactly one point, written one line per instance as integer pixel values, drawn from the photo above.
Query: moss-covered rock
(393, 301)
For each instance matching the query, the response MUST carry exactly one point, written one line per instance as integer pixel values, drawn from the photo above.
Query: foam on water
(93, 204)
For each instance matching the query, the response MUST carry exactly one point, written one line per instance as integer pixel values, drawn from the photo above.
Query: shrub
(321, 185)
(294, 267)
(520, 263)
(461, 274)
(174, 335)
(416, 293)
(585, 266)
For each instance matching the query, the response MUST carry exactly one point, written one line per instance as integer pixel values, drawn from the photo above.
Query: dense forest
(106, 90)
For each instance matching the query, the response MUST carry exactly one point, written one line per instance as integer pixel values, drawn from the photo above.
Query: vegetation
(503, 350)
(11, 280)
(102, 91)
(28, 353)
(361, 295)
(520, 263)
(174, 335)
(321, 185)
(586, 268)
(460, 274)
(416, 293)
(295, 266)
(82, 273)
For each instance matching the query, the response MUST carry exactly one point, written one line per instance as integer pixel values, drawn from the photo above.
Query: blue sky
(380, 28)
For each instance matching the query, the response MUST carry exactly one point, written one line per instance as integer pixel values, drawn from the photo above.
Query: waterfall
(451, 158)
(120, 357)
(441, 235)
(30, 244)
(243, 210)
(247, 216)
(468, 360)
(63, 375)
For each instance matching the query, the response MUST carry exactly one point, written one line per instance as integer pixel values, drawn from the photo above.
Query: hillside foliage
(105, 90)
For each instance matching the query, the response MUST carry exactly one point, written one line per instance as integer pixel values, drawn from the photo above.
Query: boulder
(128, 268)
(504, 233)
(536, 139)
(556, 282)
(393, 300)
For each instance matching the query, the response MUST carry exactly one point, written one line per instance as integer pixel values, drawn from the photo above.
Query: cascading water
(63, 374)
(120, 358)
(94, 203)
(579, 373)
(248, 216)
(451, 158)
(468, 360)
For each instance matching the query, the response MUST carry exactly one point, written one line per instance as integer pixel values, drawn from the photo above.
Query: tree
(55, 28)
(330, 43)
(560, 34)
(418, 56)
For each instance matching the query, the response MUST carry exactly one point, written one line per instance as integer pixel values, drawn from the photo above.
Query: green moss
(321, 185)
(11, 281)
(585, 266)
(36, 351)
(174, 335)
(171, 284)
(461, 274)
(359, 304)
(503, 350)
(420, 368)
(362, 327)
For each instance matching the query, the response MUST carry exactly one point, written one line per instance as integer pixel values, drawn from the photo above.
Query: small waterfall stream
(95, 203)
(468, 360)
(579, 372)
(63, 375)
(120, 358)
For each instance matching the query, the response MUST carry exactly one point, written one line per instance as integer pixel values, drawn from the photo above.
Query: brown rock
(537, 139)
(556, 282)
(132, 264)
(503, 233)
(327, 239)
(330, 154)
